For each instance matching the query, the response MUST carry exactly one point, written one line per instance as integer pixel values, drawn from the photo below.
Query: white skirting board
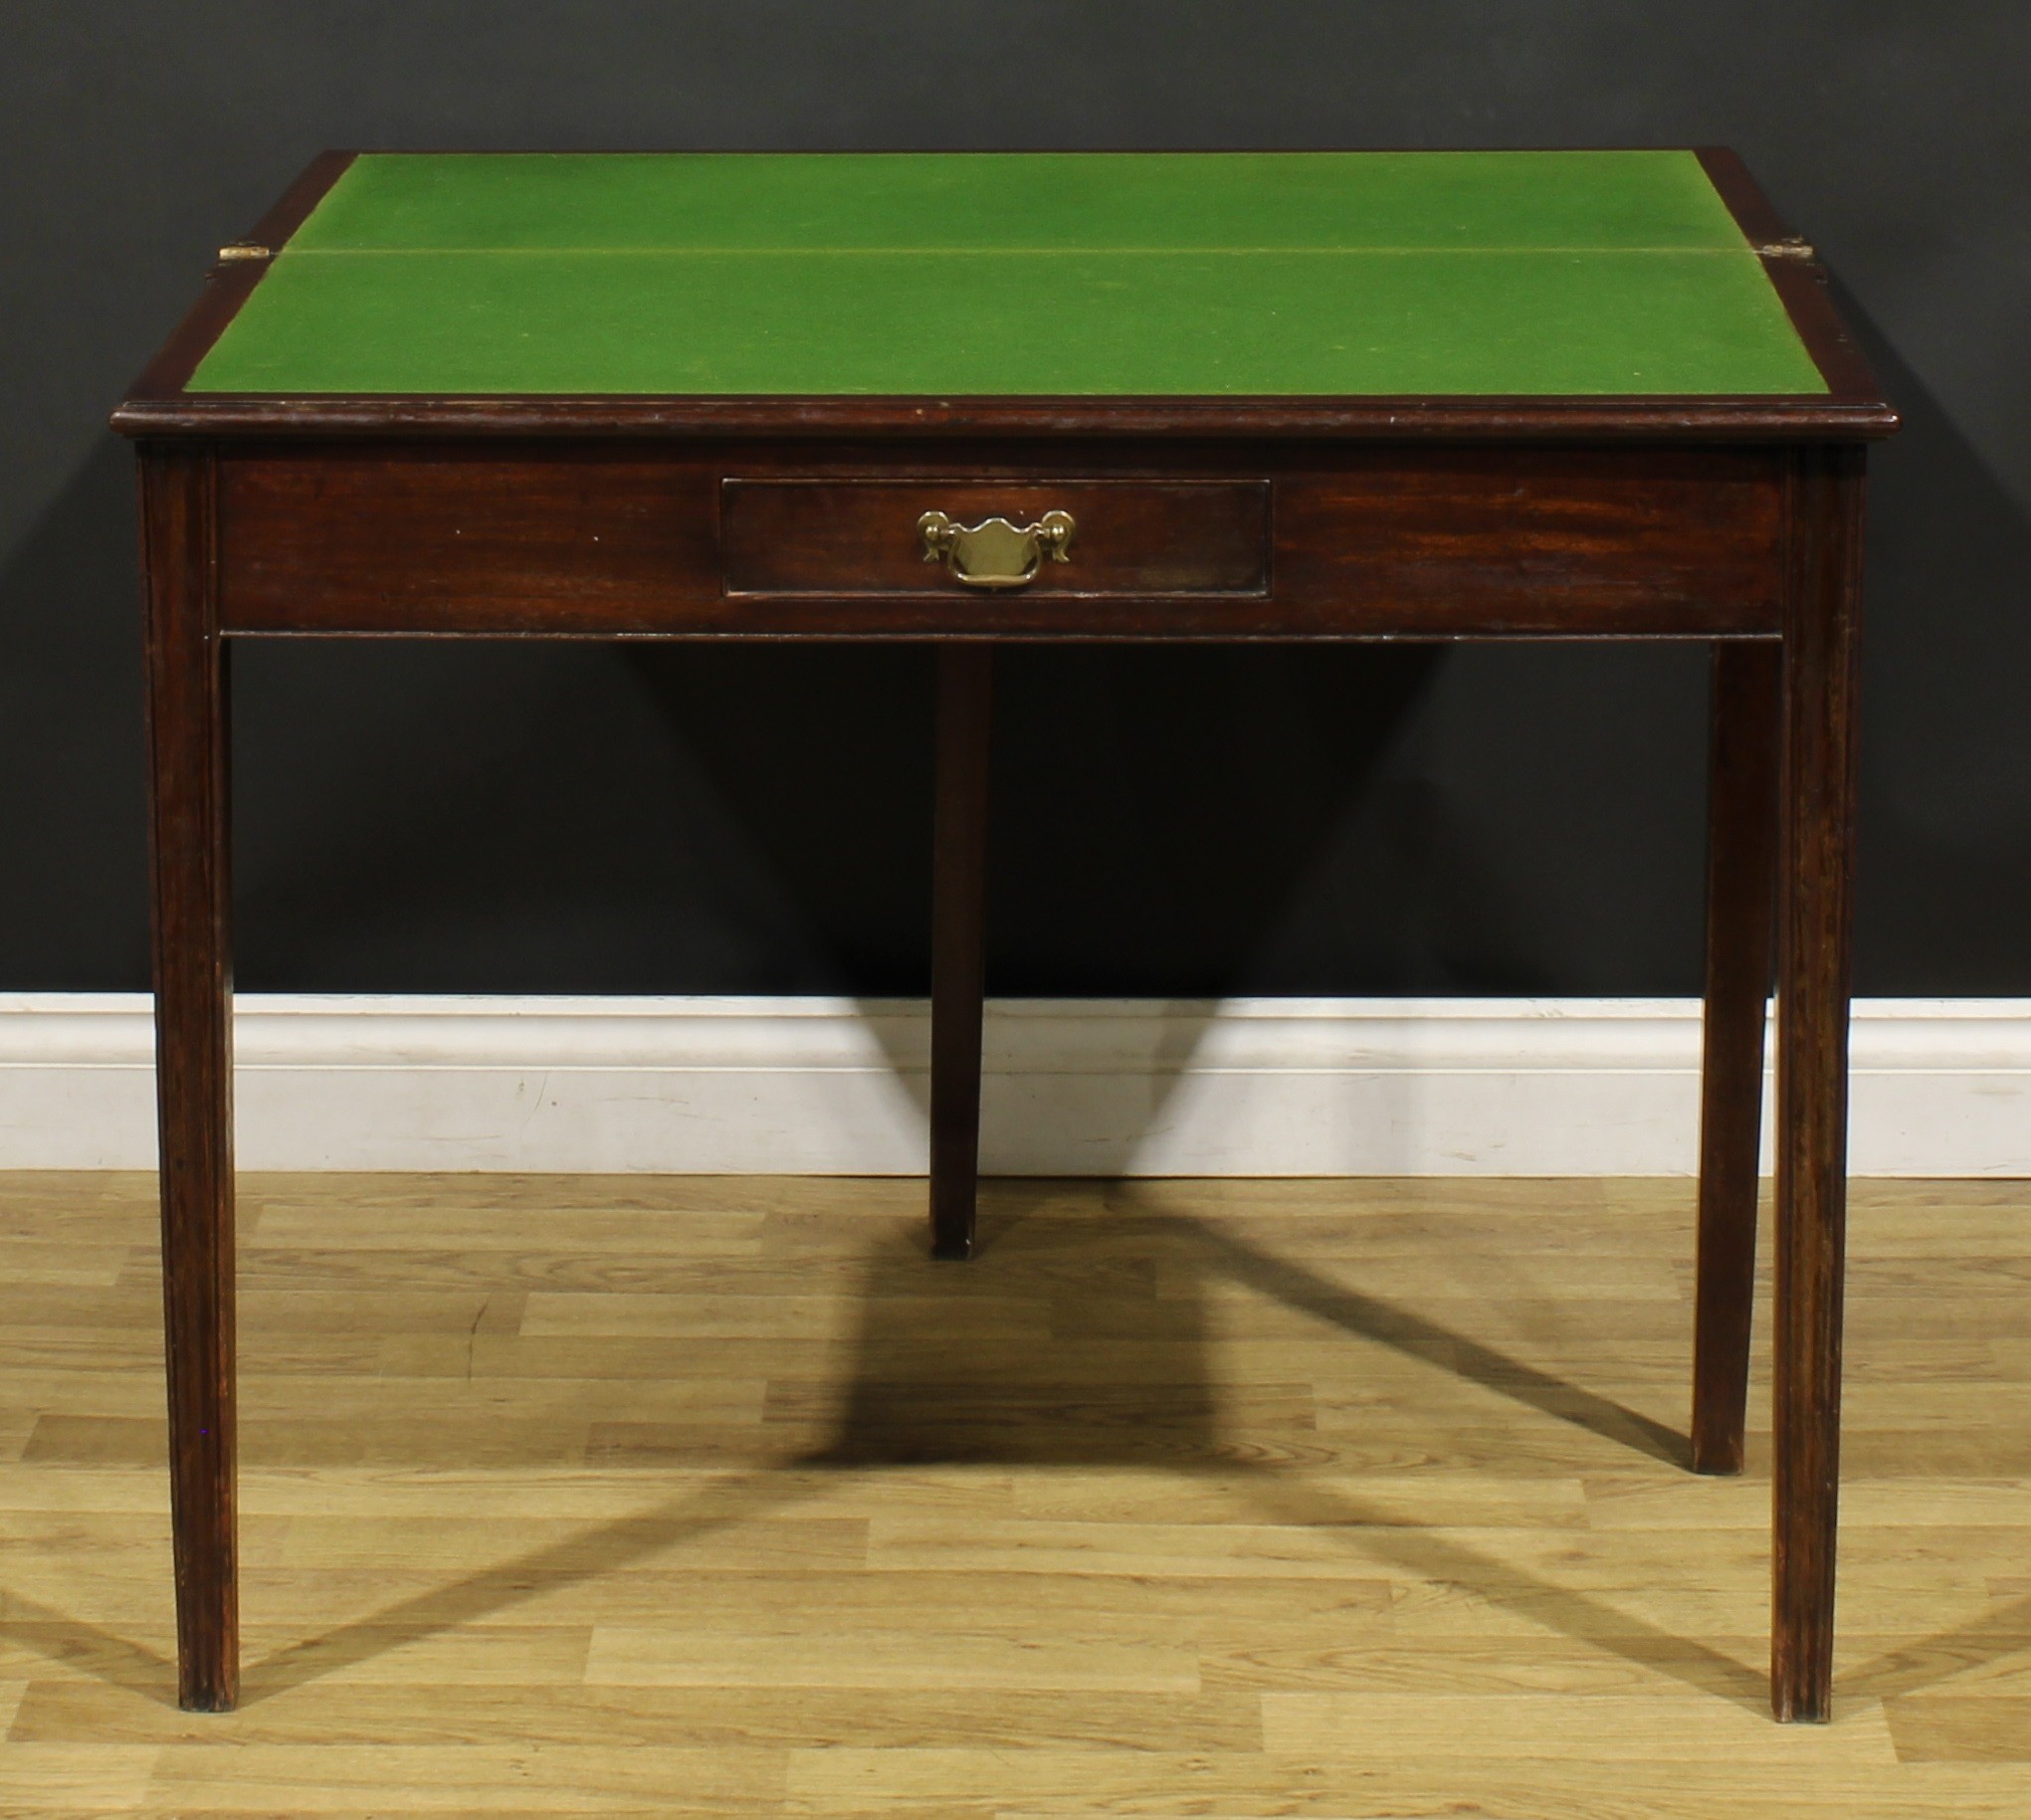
(1074, 1086)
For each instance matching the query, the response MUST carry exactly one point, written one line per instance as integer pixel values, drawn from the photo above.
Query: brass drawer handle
(995, 553)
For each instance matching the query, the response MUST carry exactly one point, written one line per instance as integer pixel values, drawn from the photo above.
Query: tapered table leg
(1742, 853)
(1815, 890)
(187, 751)
(959, 910)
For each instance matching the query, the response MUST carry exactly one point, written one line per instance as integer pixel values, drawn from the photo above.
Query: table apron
(1174, 541)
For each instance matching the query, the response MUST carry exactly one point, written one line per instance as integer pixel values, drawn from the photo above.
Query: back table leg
(1742, 852)
(958, 910)
(187, 754)
(1815, 891)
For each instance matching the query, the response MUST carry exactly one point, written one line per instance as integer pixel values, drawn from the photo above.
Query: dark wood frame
(1734, 521)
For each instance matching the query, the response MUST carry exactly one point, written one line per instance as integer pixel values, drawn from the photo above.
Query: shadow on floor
(1085, 1342)
(75, 1643)
(1993, 1637)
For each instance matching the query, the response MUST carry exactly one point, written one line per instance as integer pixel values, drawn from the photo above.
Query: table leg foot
(1742, 854)
(965, 701)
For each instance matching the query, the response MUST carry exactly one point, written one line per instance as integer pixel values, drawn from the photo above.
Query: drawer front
(1129, 538)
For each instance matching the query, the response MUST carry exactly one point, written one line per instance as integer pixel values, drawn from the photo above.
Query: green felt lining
(1321, 274)
(986, 323)
(952, 200)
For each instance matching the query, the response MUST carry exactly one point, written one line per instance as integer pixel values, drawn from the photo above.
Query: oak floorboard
(799, 1716)
(642, 1496)
(1968, 1727)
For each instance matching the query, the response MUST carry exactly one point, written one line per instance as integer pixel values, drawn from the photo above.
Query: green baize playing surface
(964, 274)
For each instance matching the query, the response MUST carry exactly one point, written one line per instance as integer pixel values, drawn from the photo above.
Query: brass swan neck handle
(995, 553)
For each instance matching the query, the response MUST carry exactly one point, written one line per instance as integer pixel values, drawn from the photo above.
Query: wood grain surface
(1815, 917)
(1742, 889)
(190, 817)
(633, 540)
(646, 1496)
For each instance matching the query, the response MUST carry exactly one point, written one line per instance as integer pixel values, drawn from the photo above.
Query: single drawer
(837, 539)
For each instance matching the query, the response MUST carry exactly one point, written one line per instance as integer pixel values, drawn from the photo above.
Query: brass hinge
(235, 249)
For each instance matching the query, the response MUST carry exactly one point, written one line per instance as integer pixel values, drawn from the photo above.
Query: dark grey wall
(498, 818)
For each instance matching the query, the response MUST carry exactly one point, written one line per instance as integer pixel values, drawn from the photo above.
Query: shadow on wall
(1152, 810)
(492, 816)
(1945, 842)
(73, 889)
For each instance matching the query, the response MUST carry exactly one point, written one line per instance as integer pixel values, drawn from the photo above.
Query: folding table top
(1578, 274)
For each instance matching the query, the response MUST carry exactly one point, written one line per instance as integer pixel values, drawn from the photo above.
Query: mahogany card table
(973, 399)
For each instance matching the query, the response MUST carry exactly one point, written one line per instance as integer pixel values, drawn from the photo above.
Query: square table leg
(1815, 891)
(965, 707)
(1742, 869)
(188, 733)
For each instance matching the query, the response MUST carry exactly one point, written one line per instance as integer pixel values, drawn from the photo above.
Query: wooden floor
(667, 1497)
